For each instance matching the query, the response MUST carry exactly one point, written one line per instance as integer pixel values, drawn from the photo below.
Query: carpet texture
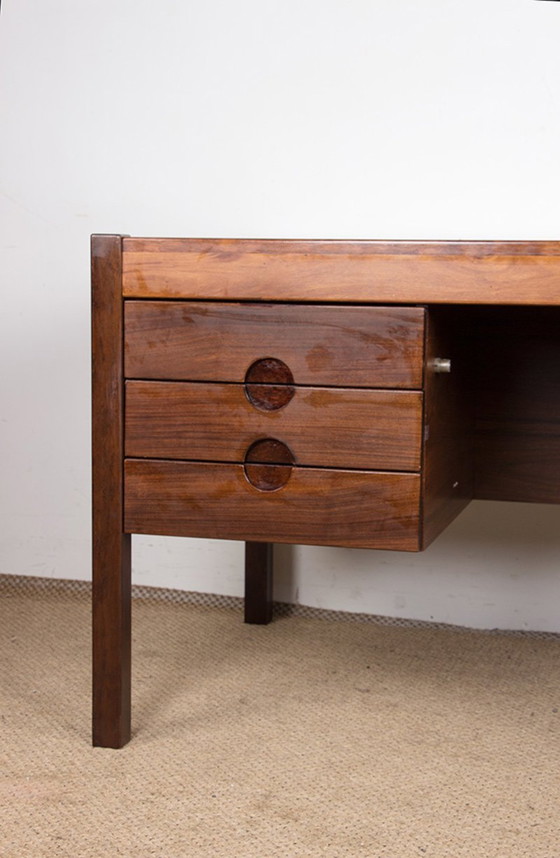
(309, 737)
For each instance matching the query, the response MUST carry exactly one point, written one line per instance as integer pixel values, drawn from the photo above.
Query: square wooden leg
(258, 582)
(111, 643)
(111, 547)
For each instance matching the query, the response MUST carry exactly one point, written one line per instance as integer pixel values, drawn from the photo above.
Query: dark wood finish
(317, 422)
(269, 397)
(269, 371)
(269, 451)
(267, 478)
(404, 272)
(516, 381)
(111, 546)
(320, 345)
(258, 582)
(448, 466)
(326, 427)
(329, 507)
(258, 461)
(269, 384)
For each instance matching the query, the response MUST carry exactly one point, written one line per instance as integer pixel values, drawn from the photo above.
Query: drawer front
(329, 427)
(314, 506)
(320, 345)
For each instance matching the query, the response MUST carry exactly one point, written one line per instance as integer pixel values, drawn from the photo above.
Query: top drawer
(349, 346)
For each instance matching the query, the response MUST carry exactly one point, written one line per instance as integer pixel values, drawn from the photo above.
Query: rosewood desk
(345, 393)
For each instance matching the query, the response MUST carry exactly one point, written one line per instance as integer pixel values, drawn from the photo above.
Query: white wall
(265, 118)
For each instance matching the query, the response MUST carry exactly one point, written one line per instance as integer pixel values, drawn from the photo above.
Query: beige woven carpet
(309, 737)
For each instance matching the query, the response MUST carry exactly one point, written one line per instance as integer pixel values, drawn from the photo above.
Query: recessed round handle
(269, 384)
(268, 464)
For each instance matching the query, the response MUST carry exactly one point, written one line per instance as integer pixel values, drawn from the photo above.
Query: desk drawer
(314, 506)
(346, 346)
(329, 427)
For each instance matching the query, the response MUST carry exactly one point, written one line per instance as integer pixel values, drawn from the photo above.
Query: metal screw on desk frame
(441, 365)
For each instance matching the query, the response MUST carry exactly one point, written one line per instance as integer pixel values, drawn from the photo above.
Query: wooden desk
(337, 393)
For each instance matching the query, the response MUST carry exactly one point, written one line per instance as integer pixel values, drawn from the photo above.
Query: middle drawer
(324, 427)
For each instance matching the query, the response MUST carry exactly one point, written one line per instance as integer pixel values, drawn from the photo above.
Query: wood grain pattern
(320, 345)
(403, 272)
(327, 427)
(516, 378)
(340, 384)
(111, 547)
(327, 507)
(448, 467)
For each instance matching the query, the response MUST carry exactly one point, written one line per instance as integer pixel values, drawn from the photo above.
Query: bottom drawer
(360, 509)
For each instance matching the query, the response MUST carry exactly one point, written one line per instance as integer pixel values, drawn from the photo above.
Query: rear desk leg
(111, 547)
(258, 582)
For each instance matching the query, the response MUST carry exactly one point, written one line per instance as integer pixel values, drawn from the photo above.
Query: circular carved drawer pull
(268, 464)
(269, 384)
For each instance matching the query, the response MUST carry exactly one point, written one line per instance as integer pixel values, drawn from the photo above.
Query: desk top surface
(435, 272)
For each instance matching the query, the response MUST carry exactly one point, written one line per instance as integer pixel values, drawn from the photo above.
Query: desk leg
(111, 547)
(111, 642)
(258, 582)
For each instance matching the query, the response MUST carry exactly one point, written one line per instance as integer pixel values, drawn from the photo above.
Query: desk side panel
(448, 469)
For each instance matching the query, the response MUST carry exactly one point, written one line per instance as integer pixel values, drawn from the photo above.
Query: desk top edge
(337, 247)
(396, 272)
